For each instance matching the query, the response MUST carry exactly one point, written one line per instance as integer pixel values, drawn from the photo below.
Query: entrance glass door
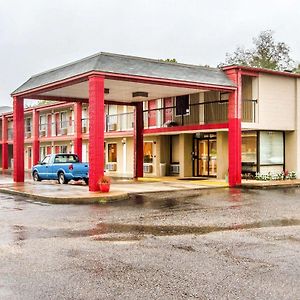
(205, 156)
(212, 161)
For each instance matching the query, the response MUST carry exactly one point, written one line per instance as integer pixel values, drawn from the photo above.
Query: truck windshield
(66, 158)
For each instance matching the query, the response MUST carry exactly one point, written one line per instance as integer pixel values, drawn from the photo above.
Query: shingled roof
(129, 65)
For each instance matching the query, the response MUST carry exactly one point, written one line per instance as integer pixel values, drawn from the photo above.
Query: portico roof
(108, 63)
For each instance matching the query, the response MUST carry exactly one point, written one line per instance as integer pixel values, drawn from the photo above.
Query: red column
(234, 133)
(35, 136)
(96, 131)
(138, 141)
(4, 144)
(78, 129)
(18, 148)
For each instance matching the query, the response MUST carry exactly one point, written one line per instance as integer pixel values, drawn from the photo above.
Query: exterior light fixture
(106, 91)
(139, 95)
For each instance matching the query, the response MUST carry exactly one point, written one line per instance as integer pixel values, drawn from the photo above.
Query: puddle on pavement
(114, 232)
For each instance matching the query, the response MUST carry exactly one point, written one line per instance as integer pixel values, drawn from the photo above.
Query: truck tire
(61, 178)
(35, 176)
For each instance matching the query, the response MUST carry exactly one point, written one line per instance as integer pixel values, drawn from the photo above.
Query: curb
(65, 200)
(266, 187)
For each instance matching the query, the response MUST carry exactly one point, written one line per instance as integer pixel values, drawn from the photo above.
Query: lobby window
(182, 105)
(249, 147)
(271, 148)
(249, 152)
(148, 152)
(112, 152)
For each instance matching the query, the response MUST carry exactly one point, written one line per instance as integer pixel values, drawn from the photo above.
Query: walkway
(78, 193)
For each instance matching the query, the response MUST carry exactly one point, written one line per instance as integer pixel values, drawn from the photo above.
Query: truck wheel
(86, 180)
(61, 178)
(35, 176)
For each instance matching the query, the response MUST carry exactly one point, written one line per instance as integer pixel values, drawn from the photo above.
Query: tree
(297, 69)
(266, 54)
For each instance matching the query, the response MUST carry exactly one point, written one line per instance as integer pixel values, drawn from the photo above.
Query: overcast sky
(36, 35)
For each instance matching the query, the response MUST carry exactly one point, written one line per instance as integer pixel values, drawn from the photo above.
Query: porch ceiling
(121, 91)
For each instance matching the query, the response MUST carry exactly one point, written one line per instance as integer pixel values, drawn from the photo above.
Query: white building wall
(276, 102)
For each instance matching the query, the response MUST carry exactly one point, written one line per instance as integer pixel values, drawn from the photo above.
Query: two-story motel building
(157, 119)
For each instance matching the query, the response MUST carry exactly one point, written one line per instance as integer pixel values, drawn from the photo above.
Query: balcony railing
(197, 113)
(249, 111)
(119, 122)
(56, 129)
(10, 134)
(85, 125)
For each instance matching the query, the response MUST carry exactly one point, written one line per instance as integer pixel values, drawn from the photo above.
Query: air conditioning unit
(111, 167)
(148, 168)
(112, 127)
(174, 169)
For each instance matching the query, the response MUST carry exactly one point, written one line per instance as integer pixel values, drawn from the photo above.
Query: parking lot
(208, 244)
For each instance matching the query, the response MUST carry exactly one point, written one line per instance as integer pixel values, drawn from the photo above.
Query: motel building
(133, 117)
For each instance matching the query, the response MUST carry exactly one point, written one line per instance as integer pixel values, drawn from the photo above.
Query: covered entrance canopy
(114, 79)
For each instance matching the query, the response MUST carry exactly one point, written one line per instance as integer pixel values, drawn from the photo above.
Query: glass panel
(213, 158)
(112, 152)
(203, 158)
(271, 148)
(148, 152)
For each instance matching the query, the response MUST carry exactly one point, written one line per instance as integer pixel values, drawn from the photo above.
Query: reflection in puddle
(129, 232)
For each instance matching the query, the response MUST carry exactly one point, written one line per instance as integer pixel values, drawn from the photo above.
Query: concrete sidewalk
(78, 193)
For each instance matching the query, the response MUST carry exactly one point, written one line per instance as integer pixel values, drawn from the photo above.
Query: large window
(271, 148)
(249, 147)
(249, 152)
(182, 105)
(112, 152)
(148, 152)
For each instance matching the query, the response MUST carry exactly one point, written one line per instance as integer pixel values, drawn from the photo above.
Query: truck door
(44, 167)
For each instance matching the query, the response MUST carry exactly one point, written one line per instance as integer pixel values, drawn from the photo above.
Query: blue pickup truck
(61, 167)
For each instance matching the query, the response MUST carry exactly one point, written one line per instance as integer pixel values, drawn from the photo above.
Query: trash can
(163, 169)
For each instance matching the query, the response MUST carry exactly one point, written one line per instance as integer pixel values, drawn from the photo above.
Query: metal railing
(249, 108)
(197, 113)
(119, 122)
(66, 127)
(85, 125)
(10, 134)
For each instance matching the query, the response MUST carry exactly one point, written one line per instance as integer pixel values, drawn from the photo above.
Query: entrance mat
(194, 178)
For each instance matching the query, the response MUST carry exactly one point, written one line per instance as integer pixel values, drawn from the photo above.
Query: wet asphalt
(210, 244)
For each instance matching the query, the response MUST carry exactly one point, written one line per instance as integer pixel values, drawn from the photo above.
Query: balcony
(249, 108)
(85, 125)
(212, 112)
(66, 128)
(119, 122)
(196, 114)
(10, 134)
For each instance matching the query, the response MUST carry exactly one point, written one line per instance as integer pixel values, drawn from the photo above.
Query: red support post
(235, 133)
(138, 141)
(35, 136)
(18, 147)
(78, 129)
(4, 143)
(96, 131)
